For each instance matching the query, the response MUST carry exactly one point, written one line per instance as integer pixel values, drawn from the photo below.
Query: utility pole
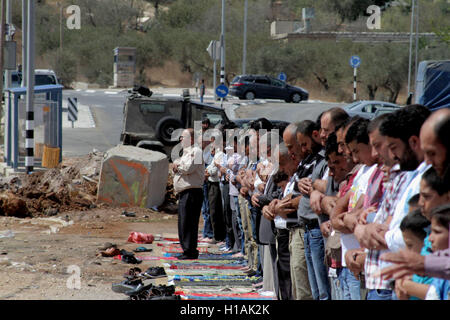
(244, 55)
(410, 50)
(222, 46)
(29, 123)
(8, 38)
(417, 40)
(24, 41)
(2, 43)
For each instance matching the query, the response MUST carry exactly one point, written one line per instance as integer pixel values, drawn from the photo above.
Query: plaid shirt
(390, 199)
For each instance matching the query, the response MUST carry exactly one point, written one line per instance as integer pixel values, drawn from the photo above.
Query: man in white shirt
(189, 175)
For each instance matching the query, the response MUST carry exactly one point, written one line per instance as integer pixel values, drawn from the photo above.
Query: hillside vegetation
(175, 34)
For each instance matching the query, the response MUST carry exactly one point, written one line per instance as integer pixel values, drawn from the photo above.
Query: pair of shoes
(132, 273)
(126, 285)
(128, 257)
(155, 272)
(225, 248)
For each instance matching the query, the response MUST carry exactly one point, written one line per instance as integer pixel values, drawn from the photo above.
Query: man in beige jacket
(188, 181)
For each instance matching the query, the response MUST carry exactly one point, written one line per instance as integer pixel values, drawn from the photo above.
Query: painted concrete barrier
(133, 177)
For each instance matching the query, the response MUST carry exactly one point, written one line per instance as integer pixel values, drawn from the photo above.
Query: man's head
(285, 162)
(187, 138)
(291, 143)
(308, 137)
(329, 121)
(433, 192)
(378, 141)
(341, 132)
(402, 130)
(357, 140)
(435, 140)
(337, 163)
(206, 123)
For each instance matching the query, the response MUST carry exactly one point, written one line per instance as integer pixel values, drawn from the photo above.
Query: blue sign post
(355, 62)
(222, 92)
(282, 76)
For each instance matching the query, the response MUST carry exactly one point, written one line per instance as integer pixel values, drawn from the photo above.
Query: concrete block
(132, 176)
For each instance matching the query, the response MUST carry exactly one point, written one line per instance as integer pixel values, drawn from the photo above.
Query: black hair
(442, 214)
(432, 178)
(416, 223)
(319, 120)
(347, 122)
(206, 121)
(260, 124)
(331, 145)
(307, 127)
(414, 200)
(280, 176)
(358, 131)
(376, 123)
(405, 122)
(338, 116)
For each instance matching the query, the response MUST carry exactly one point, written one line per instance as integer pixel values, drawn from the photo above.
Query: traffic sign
(214, 50)
(282, 76)
(222, 91)
(355, 61)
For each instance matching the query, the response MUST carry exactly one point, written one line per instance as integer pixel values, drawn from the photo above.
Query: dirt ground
(52, 229)
(36, 263)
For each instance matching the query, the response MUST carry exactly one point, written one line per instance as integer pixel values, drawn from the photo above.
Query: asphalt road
(107, 110)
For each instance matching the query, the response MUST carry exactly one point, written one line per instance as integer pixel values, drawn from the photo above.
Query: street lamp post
(244, 54)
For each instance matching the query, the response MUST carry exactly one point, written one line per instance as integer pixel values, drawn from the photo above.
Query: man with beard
(434, 136)
(401, 130)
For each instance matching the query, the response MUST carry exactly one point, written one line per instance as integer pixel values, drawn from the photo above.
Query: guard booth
(124, 67)
(47, 125)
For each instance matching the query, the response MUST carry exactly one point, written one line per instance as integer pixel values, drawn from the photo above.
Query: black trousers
(216, 210)
(189, 209)
(283, 264)
(228, 214)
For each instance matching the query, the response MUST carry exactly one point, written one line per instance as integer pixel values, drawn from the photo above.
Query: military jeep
(150, 119)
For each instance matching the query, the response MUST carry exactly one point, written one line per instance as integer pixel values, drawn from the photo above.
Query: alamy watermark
(74, 18)
(246, 145)
(374, 21)
(74, 280)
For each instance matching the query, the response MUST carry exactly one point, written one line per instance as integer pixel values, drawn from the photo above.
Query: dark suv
(250, 87)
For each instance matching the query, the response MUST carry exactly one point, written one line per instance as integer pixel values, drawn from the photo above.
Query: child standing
(440, 222)
(414, 230)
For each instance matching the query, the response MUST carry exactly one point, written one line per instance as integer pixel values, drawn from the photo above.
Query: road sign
(72, 113)
(282, 76)
(222, 91)
(355, 61)
(214, 49)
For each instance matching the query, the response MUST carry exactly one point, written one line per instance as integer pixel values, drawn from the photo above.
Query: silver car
(370, 109)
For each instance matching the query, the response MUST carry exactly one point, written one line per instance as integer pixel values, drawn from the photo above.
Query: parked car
(250, 87)
(42, 77)
(370, 109)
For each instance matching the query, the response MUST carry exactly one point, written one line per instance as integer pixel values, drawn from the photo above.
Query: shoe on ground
(237, 255)
(126, 285)
(155, 272)
(250, 273)
(187, 257)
